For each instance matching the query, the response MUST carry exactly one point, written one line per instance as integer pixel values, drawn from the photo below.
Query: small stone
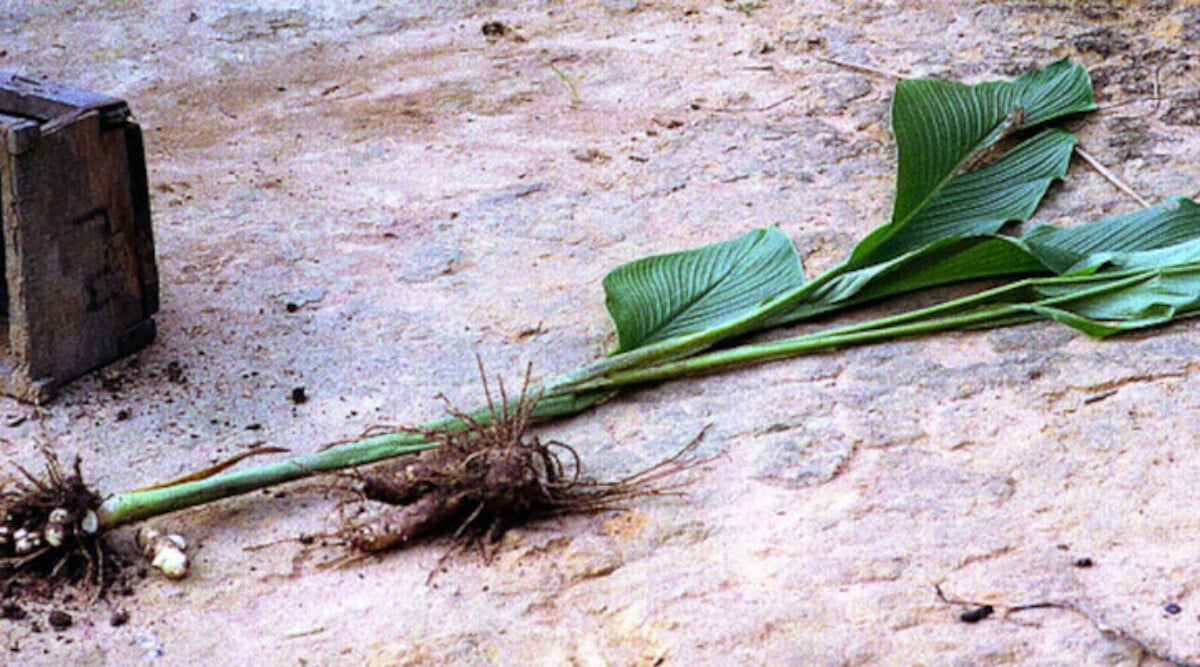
(1084, 562)
(166, 552)
(176, 373)
(1172, 608)
(589, 154)
(299, 395)
(119, 617)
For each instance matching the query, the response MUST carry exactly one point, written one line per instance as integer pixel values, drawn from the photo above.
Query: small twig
(1110, 176)
(860, 68)
(1107, 629)
(1096, 398)
(766, 107)
(296, 634)
(369, 432)
(776, 103)
(283, 540)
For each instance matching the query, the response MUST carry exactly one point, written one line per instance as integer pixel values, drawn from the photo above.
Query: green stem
(684, 346)
(566, 396)
(556, 401)
(744, 355)
(133, 506)
(1008, 304)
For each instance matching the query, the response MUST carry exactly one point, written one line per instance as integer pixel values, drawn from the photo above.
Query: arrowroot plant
(970, 160)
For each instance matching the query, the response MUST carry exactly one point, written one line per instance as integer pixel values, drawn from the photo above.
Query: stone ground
(424, 193)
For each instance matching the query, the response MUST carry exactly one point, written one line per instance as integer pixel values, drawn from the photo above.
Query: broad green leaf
(942, 128)
(664, 296)
(947, 237)
(982, 201)
(1157, 236)
(1120, 273)
(1164, 235)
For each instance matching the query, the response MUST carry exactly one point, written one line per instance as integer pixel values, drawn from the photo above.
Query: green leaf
(1120, 273)
(943, 127)
(1164, 235)
(940, 263)
(947, 238)
(981, 202)
(675, 305)
(1098, 304)
(664, 296)
(1161, 235)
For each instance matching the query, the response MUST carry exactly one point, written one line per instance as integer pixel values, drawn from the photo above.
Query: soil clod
(59, 619)
(13, 612)
(119, 617)
(977, 614)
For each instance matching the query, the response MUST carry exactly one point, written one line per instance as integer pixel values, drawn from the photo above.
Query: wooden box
(80, 281)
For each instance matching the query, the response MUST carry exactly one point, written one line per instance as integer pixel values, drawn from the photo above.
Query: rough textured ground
(420, 193)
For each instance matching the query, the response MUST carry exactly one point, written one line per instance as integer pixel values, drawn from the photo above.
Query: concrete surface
(419, 193)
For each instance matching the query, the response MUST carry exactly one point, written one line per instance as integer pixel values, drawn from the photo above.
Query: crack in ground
(1146, 646)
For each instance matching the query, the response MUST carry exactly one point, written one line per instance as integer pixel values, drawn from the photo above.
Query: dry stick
(765, 107)
(776, 103)
(860, 68)
(832, 61)
(1097, 621)
(1110, 176)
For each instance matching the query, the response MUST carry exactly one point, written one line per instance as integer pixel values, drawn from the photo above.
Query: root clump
(490, 476)
(48, 526)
